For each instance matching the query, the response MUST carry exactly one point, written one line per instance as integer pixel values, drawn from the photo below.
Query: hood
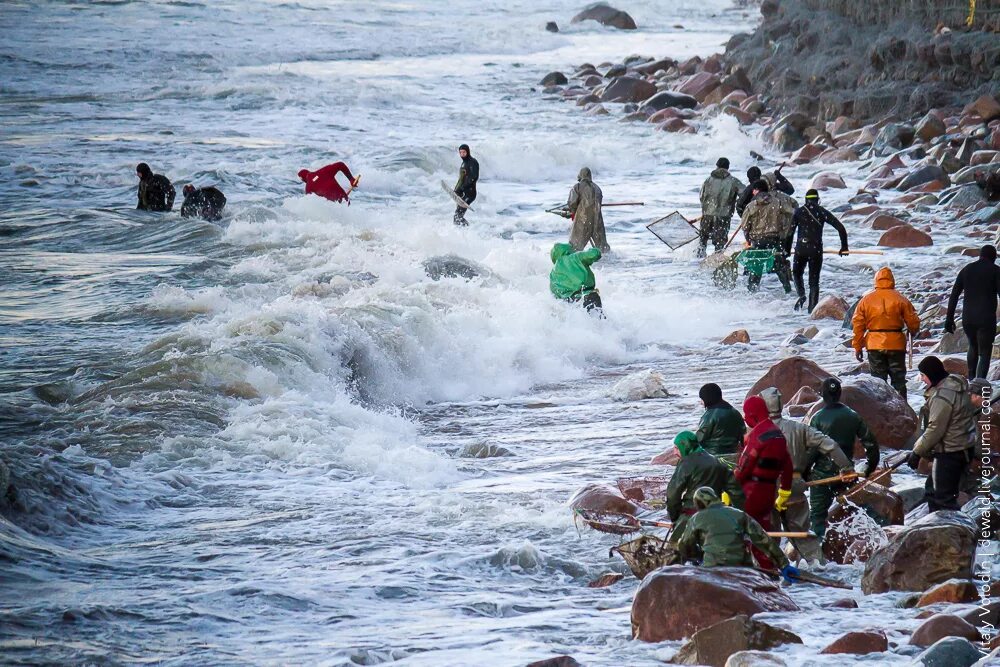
(754, 410)
(884, 278)
(720, 173)
(584, 174)
(303, 174)
(686, 442)
(988, 254)
(465, 147)
(955, 383)
(560, 250)
(772, 399)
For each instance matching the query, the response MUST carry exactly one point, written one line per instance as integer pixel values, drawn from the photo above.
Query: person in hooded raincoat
(155, 192)
(697, 468)
(718, 201)
(571, 278)
(878, 323)
(468, 176)
(584, 206)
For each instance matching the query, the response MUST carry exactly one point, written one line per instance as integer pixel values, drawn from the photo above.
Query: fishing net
(651, 491)
(561, 211)
(675, 230)
(614, 523)
(647, 553)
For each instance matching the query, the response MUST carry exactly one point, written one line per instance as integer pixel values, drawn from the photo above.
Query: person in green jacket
(722, 428)
(719, 535)
(571, 278)
(844, 426)
(697, 469)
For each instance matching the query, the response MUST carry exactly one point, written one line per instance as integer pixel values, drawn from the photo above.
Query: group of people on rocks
(742, 475)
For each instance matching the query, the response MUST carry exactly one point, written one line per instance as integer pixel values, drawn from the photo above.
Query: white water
(239, 444)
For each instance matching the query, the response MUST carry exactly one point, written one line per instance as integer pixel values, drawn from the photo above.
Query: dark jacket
(844, 426)
(721, 429)
(807, 222)
(698, 469)
(721, 534)
(980, 281)
(468, 175)
(780, 182)
(206, 203)
(156, 194)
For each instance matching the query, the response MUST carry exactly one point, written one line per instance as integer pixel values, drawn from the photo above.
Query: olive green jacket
(721, 534)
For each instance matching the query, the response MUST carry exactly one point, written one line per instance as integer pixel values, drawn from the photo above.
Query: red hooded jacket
(765, 457)
(323, 182)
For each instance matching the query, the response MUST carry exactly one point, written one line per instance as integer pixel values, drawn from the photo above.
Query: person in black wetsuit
(808, 222)
(468, 175)
(980, 281)
(206, 203)
(774, 180)
(155, 192)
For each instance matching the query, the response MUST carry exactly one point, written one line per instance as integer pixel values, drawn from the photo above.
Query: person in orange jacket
(323, 182)
(879, 321)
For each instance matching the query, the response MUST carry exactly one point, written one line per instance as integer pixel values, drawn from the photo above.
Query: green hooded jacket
(571, 275)
(698, 468)
(843, 425)
(721, 534)
(721, 429)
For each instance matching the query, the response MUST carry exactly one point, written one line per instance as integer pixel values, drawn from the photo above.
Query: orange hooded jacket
(882, 313)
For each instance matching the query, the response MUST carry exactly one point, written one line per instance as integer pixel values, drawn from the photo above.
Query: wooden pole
(834, 480)
(854, 252)
(624, 203)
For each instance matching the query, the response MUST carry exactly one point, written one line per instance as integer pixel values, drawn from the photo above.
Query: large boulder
(859, 643)
(830, 307)
(940, 626)
(558, 661)
(930, 127)
(826, 180)
(852, 536)
(555, 79)
(628, 89)
(675, 602)
(953, 590)
(883, 221)
(936, 548)
(791, 374)
(891, 138)
(669, 99)
(639, 386)
(453, 266)
(922, 175)
(602, 498)
(986, 107)
(700, 85)
(714, 645)
(905, 236)
(738, 336)
(606, 15)
(951, 652)
(887, 414)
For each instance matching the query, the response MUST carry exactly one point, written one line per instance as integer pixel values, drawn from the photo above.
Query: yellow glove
(726, 499)
(781, 502)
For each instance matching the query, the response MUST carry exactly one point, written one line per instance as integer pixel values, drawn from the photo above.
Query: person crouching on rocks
(571, 278)
(696, 469)
(718, 535)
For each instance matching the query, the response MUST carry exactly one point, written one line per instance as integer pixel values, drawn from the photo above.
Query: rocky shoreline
(917, 146)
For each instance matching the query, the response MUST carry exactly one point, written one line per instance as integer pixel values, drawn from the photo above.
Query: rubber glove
(790, 573)
(844, 251)
(870, 469)
(781, 502)
(949, 325)
(914, 460)
(859, 355)
(726, 499)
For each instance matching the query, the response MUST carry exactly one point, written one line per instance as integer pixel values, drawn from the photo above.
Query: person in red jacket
(764, 467)
(764, 464)
(324, 182)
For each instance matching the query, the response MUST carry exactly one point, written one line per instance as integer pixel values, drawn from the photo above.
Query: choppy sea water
(251, 442)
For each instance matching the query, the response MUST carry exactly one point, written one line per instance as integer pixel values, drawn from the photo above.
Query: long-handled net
(647, 553)
(675, 230)
(651, 491)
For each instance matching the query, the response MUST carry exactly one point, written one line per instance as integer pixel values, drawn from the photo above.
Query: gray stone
(925, 174)
(714, 645)
(949, 652)
(555, 79)
(892, 138)
(667, 99)
(453, 266)
(755, 659)
(606, 15)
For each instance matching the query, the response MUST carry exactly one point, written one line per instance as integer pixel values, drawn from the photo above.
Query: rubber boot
(813, 299)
